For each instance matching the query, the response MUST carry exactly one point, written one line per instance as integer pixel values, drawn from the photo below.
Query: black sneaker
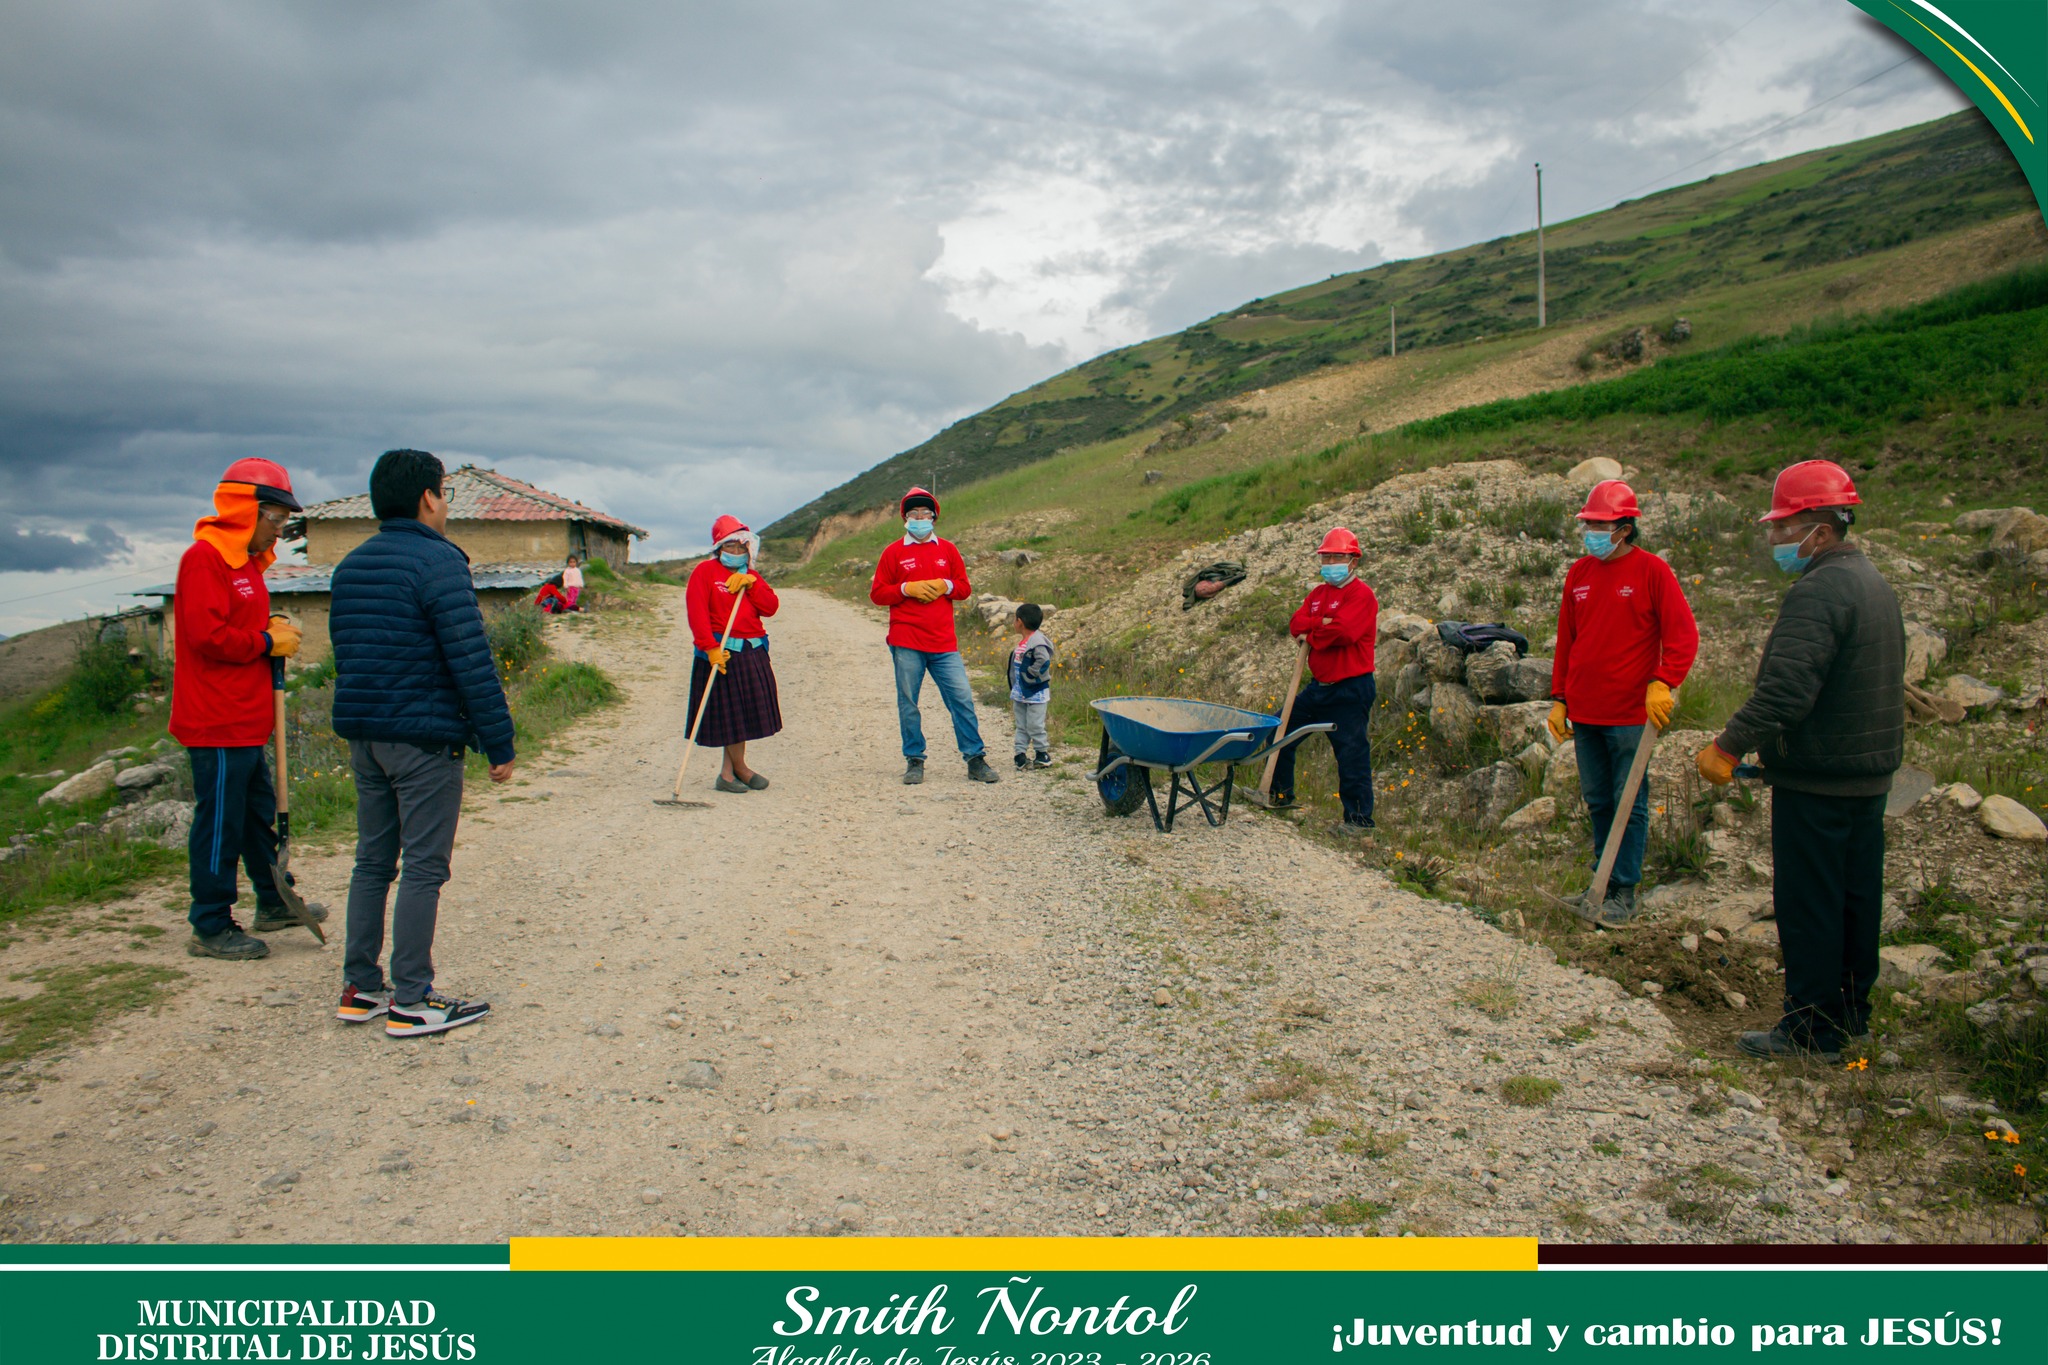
(271, 918)
(1021, 760)
(1778, 1043)
(230, 944)
(979, 771)
(913, 772)
(1041, 759)
(434, 1013)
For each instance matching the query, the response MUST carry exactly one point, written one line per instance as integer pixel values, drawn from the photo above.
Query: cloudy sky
(678, 259)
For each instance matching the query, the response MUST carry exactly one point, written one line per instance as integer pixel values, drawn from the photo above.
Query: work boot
(1780, 1042)
(913, 772)
(1361, 830)
(271, 918)
(230, 943)
(1618, 909)
(979, 771)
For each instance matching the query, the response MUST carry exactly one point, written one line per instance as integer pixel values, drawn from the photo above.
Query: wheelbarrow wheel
(1123, 791)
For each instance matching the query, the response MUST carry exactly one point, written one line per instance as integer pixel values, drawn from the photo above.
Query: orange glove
(1716, 764)
(719, 657)
(1659, 702)
(284, 638)
(925, 589)
(739, 582)
(1558, 723)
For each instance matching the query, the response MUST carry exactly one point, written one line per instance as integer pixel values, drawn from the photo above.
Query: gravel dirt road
(846, 1006)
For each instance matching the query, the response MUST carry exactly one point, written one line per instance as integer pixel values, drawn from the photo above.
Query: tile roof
(283, 580)
(476, 494)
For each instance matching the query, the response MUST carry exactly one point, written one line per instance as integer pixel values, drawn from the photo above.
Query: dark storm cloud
(682, 259)
(24, 550)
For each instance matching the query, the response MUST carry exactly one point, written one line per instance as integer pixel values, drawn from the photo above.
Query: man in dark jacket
(414, 686)
(1828, 721)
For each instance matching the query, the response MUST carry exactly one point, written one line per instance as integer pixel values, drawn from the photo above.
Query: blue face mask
(919, 527)
(1599, 544)
(1788, 558)
(732, 561)
(1335, 574)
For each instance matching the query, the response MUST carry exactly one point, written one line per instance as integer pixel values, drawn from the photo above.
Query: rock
(650, 1196)
(112, 755)
(1901, 963)
(1405, 625)
(1491, 792)
(672, 1020)
(1988, 518)
(604, 1030)
(2023, 532)
(1733, 911)
(1490, 673)
(1534, 760)
(283, 1180)
(1956, 1106)
(1735, 1000)
(1963, 796)
(1586, 473)
(1443, 663)
(1017, 557)
(1539, 812)
(1713, 936)
(1667, 897)
(97, 780)
(1892, 917)
(1836, 1189)
(1162, 998)
(1561, 776)
(1742, 1099)
(1689, 942)
(1392, 655)
(1516, 727)
(1653, 989)
(1453, 712)
(1909, 784)
(144, 776)
(1925, 647)
(1971, 693)
(1679, 330)
(2006, 818)
(280, 999)
(1532, 680)
(699, 1076)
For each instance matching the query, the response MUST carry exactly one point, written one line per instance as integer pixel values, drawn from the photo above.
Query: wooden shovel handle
(1286, 711)
(1597, 894)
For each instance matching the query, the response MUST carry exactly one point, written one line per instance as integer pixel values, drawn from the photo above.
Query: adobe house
(517, 536)
(494, 517)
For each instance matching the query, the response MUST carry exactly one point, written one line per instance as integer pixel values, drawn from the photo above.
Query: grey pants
(1030, 725)
(407, 802)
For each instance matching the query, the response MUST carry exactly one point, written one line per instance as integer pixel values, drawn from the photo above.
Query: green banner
(1996, 51)
(446, 1305)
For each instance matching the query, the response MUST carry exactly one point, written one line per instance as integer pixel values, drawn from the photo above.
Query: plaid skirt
(743, 705)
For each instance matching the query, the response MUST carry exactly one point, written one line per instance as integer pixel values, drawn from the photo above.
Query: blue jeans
(1605, 753)
(949, 675)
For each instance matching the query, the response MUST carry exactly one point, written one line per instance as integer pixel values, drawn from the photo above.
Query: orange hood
(232, 524)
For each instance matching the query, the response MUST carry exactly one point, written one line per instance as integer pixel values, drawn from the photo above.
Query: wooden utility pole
(1541, 317)
(1393, 334)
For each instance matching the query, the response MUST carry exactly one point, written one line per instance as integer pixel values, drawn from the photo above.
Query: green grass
(68, 874)
(1530, 1092)
(73, 999)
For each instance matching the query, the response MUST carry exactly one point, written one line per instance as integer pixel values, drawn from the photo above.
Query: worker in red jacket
(919, 578)
(726, 591)
(1339, 622)
(221, 708)
(1625, 641)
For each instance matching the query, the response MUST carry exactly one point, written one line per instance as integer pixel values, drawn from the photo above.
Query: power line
(81, 587)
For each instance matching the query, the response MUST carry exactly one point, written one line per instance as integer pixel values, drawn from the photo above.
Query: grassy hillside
(1757, 228)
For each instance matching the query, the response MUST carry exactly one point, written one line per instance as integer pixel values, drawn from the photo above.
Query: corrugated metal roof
(284, 580)
(476, 494)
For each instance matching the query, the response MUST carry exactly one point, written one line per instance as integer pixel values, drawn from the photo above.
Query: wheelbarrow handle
(1234, 737)
(1119, 761)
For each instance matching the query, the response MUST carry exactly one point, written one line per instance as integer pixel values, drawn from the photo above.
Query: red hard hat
(726, 527)
(272, 483)
(1610, 500)
(924, 494)
(1810, 484)
(1339, 542)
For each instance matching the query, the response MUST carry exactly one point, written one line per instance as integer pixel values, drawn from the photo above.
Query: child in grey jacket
(1031, 686)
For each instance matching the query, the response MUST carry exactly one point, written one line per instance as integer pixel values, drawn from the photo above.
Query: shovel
(280, 866)
(690, 744)
(1264, 795)
(1596, 894)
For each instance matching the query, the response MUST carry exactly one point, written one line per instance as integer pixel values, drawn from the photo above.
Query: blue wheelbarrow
(1144, 735)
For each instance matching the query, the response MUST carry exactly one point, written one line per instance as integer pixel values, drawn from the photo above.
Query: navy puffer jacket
(412, 664)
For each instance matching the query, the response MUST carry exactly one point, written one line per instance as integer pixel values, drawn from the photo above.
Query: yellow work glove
(739, 582)
(1716, 764)
(719, 657)
(1559, 724)
(925, 589)
(284, 638)
(1659, 703)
